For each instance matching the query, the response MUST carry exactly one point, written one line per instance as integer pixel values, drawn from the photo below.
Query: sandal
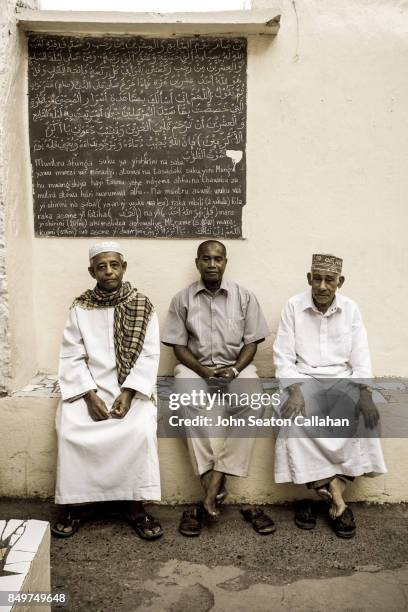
(305, 516)
(70, 517)
(261, 522)
(143, 523)
(191, 522)
(344, 525)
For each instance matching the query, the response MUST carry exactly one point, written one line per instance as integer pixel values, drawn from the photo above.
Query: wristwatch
(236, 372)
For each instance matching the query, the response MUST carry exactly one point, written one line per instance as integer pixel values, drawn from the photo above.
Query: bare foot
(213, 487)
(324, 493)
(222, 491)
(338, 505)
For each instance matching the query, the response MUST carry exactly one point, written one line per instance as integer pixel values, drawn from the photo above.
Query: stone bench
(28, 453)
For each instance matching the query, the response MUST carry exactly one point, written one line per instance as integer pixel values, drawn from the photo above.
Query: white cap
(108, 246)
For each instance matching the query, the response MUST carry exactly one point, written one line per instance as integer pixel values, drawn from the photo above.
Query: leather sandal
(344, 526)
(261, 522)
(143, 523)
(305, 515)
(191, 522)
(70, 517)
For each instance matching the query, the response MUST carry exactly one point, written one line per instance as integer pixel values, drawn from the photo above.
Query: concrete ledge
(24, 561)
(154, 24)
(28, 456)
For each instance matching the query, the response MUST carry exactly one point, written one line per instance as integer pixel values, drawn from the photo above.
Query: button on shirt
(310, 343)
(214, 326)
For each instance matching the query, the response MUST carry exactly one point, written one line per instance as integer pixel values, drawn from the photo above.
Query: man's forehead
(108, 256)
(212, 249)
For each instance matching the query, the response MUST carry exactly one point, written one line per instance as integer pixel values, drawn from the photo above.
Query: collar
(308, 304)
(201, 287)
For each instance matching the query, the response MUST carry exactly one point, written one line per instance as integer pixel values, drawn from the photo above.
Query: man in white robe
(107, 419)
(321, 339)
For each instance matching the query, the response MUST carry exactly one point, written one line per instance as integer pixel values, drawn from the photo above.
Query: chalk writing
(137, 137)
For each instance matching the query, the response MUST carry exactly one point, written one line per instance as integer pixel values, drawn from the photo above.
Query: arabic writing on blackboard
(137, 136)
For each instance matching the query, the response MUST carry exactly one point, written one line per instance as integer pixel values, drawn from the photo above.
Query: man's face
(108, 270)
(324, 286)
(211, 263)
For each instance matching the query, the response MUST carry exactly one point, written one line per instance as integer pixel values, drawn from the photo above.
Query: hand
(209, 371)
(295, 404)
(122, 404)
(368, 409)
(97, 408)
(227, 373)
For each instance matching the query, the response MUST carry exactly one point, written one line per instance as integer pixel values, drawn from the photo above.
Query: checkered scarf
(132, 314)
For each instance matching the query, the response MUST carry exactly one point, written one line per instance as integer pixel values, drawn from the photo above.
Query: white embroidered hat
(108, 246)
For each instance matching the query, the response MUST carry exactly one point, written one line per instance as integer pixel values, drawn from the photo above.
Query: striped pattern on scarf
(133, 311)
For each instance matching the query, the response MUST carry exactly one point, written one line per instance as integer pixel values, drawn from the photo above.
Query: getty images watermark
(205, 401)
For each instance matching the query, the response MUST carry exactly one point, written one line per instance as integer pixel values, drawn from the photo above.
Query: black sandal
(145, 522)
(261, 522)
(305, 516)
(191, 522)
(344, 526)
(70, 517)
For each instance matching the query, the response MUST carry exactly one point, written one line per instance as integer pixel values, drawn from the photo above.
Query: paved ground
(106, 567)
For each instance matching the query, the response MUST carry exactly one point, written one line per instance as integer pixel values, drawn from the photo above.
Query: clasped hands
(98, 410)
(218, 371)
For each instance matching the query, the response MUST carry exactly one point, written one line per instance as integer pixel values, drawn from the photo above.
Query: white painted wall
(17, 326)
(327, 171)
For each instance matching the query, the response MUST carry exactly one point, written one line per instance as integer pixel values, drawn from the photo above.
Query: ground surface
(106, 567)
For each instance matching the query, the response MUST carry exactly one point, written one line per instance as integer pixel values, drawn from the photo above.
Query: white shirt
(310, 343)
(87, 357)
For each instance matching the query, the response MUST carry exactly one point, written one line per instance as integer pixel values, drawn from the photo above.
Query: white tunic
(114, 459)
(309, 345)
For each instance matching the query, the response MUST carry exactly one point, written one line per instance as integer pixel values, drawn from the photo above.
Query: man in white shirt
(321, 339)
(106, 422)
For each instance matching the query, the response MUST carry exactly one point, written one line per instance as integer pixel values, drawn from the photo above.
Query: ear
(91, 271)
(196, 262)
(309, 278)
(341, 281)
(124, 266)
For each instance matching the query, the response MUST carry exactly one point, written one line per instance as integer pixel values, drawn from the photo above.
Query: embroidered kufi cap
(108, 246)
(327, 263)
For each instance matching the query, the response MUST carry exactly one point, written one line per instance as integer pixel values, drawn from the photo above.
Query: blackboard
(137, 136)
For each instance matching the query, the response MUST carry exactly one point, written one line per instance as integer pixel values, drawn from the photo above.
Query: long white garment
(310, 345)
(115, 459)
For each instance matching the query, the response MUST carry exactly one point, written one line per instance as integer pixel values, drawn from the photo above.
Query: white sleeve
(143, 375)
(74, 376)
(284, 348)
(360, 360)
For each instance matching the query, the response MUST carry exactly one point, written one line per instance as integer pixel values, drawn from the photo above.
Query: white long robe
(310, 345)
(114, 459)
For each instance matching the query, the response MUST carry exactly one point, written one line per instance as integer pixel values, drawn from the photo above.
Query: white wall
(17, 326)
(327, 171)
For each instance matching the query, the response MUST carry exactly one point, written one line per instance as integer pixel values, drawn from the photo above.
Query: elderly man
(322, 342)
(106, 422)
(214, 327)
